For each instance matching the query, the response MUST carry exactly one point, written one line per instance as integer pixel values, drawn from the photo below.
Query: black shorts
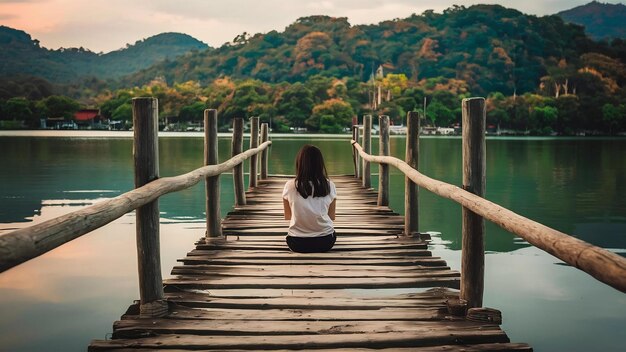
(311, 244)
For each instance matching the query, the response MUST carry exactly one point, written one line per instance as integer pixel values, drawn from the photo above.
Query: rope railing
(24, 244)
(600, 263)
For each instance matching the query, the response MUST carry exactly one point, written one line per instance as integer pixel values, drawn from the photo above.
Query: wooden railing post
(367, 147)
(383, 169)
(237, 147)
(474, 165)
(254, 142)
(411, 192)
(146, 163)
(264, 154)
(355, 154)
(213, 216)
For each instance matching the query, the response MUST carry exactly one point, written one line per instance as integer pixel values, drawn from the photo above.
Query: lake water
(62, 300)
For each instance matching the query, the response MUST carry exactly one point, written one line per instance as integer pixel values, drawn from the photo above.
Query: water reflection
(575, 186)
(572, 185)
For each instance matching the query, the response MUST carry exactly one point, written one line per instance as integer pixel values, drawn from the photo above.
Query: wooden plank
(426, 261)
(181, 312)
(308, 282)
(282, 246)
(201, 300)
(369, 340)
(200, 274)
(307, 268)
(426, 294)
(500, 347)
(283, 232)
(287, 254)
(142, 328)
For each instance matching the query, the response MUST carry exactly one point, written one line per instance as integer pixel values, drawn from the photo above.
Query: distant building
(88, 118)
(58, 123)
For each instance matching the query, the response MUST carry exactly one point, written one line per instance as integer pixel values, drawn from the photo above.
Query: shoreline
(102, 134)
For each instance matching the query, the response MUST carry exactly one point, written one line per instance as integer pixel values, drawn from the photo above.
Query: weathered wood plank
(309, 299)
(153, 327)
(288, 255)
(368, 339)
(500, 347)
(426, 261)
(282, 246)
(311, 282)
(432, 293)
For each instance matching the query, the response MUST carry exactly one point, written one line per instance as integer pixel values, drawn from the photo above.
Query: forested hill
(490, 47)
(601, 21)
(22, 55)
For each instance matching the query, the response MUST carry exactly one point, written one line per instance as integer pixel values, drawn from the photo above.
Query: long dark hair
(311, 175)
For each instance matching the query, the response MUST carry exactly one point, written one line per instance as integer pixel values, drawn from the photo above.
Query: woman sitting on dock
(309, 201)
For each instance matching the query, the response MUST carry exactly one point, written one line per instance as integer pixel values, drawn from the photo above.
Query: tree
(123, 113)
(296, 104)
(58, 106)
(543, 119)
(193, 112)
(331, 116)
(614, 117)
(109, 106)
(17, 109)
(439, 114)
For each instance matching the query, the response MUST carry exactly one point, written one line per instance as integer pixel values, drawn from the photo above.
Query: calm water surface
(62, 300)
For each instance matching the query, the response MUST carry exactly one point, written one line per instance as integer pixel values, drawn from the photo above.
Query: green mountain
(490, 47)
(22, 55)
(601, 21)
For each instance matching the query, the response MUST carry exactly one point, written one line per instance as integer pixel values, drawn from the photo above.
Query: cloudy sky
(105, 25)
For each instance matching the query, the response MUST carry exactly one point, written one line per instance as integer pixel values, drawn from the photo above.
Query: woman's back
(309, 216)
(309, 202)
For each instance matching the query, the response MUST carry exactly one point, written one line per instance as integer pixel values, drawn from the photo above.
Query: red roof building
(87, 115)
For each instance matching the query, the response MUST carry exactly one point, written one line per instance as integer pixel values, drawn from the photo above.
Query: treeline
(588, 100)
(540, 75)
(491, 48)
(20, 112)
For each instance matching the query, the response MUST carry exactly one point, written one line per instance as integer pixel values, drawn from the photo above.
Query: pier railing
(24, 244)
(602, 264)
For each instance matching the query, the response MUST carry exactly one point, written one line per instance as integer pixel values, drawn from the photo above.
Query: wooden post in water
(237, 148)
(367, 147)
(474, 165)
(254, 142)
(383, 169)
(213, 216)
(264, 154)
(146, 162)
(411, 192)
(355, 154)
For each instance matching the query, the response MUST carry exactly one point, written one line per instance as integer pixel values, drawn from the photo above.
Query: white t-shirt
(309, 217)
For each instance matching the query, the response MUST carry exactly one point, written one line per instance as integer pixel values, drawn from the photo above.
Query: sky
(106, 25)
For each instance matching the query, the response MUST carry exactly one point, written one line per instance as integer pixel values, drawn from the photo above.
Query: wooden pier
(379, 288)
(374, 290)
